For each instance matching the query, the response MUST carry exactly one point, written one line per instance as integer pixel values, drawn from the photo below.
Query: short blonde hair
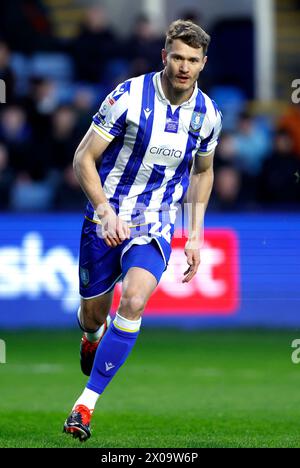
(189, 33)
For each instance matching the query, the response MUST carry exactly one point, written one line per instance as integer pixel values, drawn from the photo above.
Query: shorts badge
(84, 276)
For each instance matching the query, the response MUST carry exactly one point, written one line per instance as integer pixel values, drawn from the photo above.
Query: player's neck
(176, 98)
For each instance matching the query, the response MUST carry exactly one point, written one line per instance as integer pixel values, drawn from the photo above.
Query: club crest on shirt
(196, 121)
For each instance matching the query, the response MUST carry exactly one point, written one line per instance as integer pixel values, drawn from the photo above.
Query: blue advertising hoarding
(39, 281)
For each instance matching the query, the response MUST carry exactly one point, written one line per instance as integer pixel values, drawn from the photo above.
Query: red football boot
(78, 423)
(88, 349)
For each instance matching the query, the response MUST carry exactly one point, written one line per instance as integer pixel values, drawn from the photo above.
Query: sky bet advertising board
(249, 274)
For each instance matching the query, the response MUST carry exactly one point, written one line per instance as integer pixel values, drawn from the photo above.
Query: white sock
(95, 336)
(127, 325)
(99, 333)
(87, 398)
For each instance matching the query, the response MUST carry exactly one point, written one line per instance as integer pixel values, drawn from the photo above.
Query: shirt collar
(161, 95)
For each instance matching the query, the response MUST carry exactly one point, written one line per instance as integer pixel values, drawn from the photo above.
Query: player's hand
(192, 252)
(114, 230)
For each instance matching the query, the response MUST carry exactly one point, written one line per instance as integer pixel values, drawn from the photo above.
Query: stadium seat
(116, 69)
(231, 100)
(20, 66)
(56, 66)
(36, 196)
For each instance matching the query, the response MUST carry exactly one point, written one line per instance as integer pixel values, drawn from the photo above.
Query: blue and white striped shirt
(145, 169)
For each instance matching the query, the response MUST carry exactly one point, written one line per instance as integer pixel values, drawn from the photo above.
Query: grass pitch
(177, 389)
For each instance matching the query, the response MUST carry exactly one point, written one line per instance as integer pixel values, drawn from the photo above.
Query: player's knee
(132, 306)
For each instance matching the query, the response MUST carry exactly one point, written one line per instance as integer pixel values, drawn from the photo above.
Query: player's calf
(88, 347)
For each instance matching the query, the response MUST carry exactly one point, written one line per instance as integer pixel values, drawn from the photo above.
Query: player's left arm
(200, 187)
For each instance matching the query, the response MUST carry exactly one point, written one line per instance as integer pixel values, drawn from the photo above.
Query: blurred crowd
(54, 87)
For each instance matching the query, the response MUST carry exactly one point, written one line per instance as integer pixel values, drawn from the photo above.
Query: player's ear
(164, 56)
(204, 62)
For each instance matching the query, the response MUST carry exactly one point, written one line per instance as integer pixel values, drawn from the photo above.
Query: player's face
(183, 65)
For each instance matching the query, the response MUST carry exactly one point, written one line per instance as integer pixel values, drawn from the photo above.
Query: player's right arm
(89, 151)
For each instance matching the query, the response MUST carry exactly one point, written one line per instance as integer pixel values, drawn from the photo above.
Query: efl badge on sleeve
(196, 121)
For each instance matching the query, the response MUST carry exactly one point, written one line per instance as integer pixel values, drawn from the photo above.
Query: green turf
(178, 389)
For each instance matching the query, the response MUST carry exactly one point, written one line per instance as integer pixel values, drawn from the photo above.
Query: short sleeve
(110, 121)
(209, 143)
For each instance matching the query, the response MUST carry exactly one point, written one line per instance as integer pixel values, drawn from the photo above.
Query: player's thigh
(142, 267)
(97, 307)
(138, 283)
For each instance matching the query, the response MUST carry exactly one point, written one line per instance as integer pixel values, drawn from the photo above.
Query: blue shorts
(100, 266)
